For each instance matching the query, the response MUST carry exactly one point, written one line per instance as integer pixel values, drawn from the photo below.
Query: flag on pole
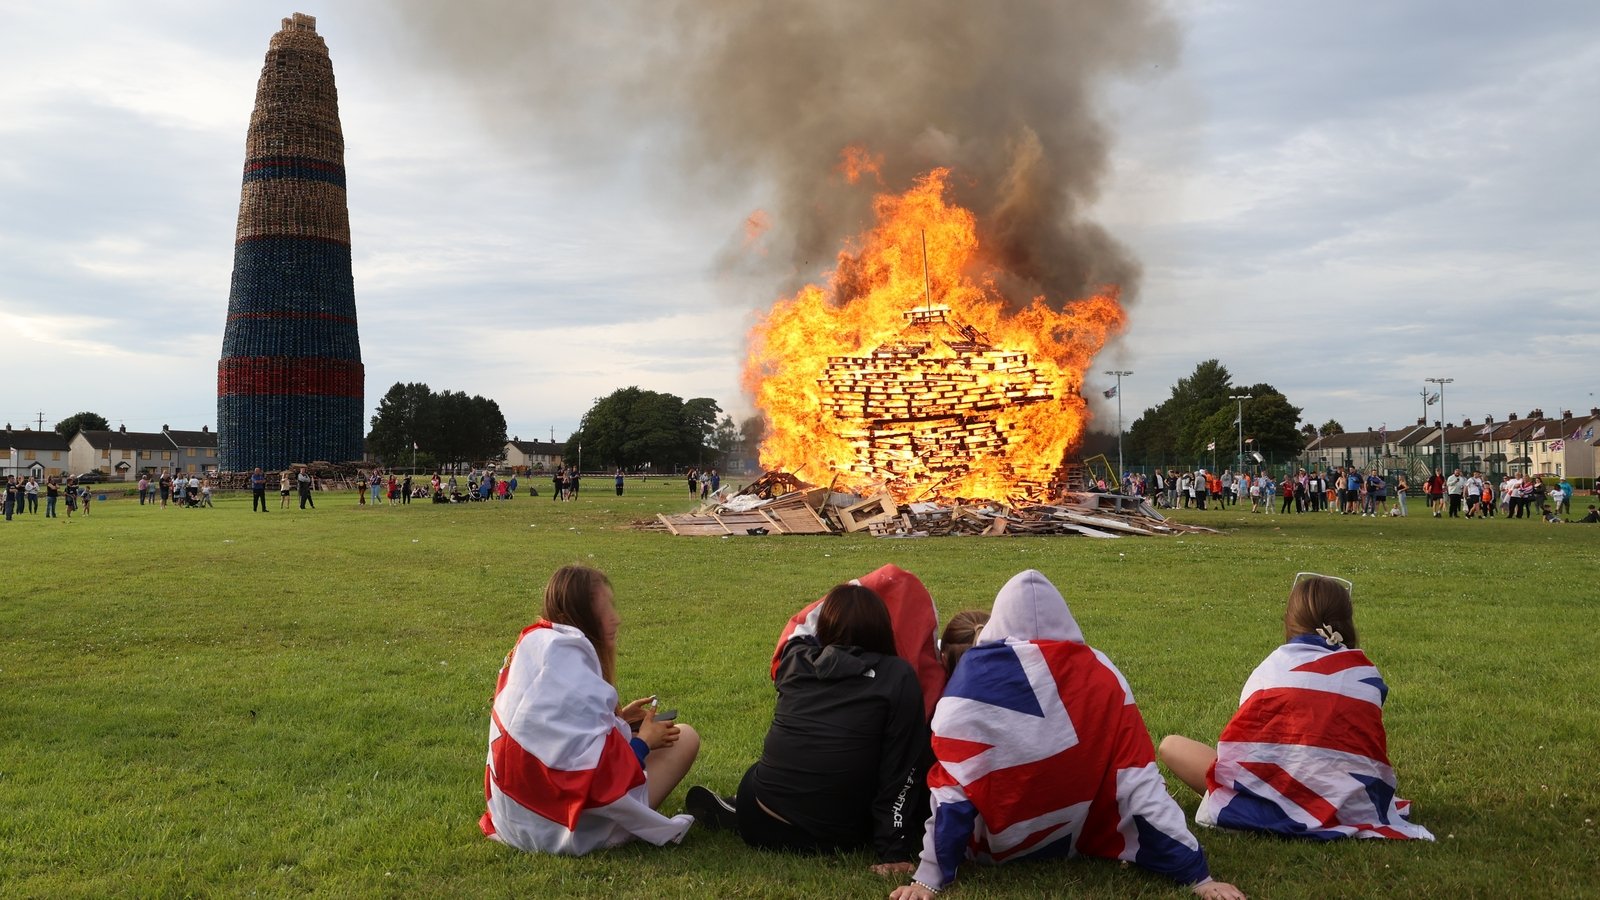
(1257, 456)
(1211, 446)
(1575, 433)
(1588, 434)
(1432, 399)
(1488, 428)
(1539, 434)
(1383, 434)
(1110, 392)
(1557, 445)
(1235, 420)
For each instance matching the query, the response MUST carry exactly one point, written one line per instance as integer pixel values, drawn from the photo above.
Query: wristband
(927, 887)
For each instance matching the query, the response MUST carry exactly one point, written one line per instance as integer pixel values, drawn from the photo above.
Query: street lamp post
(1119, 373)
(1441, 382)
(1239, 421)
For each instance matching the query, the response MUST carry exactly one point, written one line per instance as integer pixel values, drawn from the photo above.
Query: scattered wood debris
(778, 503)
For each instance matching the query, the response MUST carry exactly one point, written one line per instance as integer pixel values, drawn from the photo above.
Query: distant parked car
(93, 476)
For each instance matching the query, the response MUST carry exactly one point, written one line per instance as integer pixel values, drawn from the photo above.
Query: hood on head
(1030, 608)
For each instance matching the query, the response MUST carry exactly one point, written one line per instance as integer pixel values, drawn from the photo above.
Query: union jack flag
(1041, 752)
(1306, 753)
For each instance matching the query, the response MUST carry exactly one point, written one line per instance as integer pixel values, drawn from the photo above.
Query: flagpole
(1441, 382)
(1239, 421)
(1119, 373)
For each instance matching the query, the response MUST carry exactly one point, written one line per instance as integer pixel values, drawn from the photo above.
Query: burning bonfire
(908, 374)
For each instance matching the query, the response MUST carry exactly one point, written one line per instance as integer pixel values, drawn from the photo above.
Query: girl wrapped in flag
(1041, 752)
(1306, 753)
(564, 773)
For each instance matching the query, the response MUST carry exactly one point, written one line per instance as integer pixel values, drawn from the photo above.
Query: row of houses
(119, 455)
(1566, 446)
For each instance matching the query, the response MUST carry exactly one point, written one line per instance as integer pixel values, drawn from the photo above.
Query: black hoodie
(846, 756)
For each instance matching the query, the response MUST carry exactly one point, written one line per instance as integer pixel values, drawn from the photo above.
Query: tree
(406, 416)
(84, 421)
(1173, 429)
(631, 427)
(413, 422)
(1269, 421)
(726, 439)
(1332, 426)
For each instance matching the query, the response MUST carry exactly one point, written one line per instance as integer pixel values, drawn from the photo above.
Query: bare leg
(668, 765)
(1188, 759)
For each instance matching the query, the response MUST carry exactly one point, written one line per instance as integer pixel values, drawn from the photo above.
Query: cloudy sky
(1338, 199)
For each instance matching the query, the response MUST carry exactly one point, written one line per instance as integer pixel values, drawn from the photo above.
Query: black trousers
(1455, 505)
(762, 830)
(258, 495)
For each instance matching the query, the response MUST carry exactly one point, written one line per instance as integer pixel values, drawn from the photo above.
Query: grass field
(220, 702)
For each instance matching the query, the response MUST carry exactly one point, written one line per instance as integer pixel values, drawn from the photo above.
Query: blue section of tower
(275, 167)
(277, 435)
(292, 296)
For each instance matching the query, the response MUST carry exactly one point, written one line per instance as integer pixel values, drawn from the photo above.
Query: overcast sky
(1338, 199)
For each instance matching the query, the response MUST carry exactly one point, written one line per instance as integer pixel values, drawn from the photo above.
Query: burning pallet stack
(920, 415)
(779, 504)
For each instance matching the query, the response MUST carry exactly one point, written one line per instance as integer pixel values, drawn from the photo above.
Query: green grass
(220, 702)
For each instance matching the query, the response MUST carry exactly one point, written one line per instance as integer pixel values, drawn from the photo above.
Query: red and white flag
(1041, 752)
(1306, 753)
(912, 615)
(562, 777)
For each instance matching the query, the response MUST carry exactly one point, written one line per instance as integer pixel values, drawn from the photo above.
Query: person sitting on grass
(1042, 753)
(844, 763)
(564, 773)
(1305, 755)
(1593, 517)
(960, 633)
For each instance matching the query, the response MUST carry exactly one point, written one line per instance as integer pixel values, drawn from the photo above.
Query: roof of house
(203, 438)
(126, 440)
(539, 448)
(28, 439)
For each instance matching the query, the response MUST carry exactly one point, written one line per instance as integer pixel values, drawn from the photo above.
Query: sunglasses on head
(1298, 576)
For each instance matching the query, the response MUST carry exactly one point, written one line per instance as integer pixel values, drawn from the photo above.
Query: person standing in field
(72, 496)
(30, 491)
(1434, 490)
(1400, 489)
(166, 487)
(258, 490)
(51, 492)
(144, 488)
(619, 482)
(304, 480)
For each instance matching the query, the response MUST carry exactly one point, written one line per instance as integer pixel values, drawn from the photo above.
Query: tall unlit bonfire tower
(290, 383)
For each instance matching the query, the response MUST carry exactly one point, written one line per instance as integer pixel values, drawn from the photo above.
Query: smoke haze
(753, 103)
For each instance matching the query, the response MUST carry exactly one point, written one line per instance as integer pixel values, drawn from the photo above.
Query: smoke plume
(754, 103)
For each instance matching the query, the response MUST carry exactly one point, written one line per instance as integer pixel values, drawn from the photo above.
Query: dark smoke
(751, 103)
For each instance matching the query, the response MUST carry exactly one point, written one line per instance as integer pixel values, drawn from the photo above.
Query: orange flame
(856, 161)
(925, 387)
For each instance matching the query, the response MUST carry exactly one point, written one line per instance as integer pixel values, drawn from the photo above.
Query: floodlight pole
(1441, 382)
(1119, 373)
(1241, 398)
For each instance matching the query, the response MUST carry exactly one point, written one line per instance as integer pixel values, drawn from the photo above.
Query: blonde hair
(960, 633)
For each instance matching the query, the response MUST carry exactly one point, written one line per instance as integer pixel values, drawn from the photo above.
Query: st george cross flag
(912, 615)
(1110, 392)
(1306, 753)
(562, 777)
(1042, 753)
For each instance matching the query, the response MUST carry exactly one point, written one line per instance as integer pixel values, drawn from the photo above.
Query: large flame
(911, 376)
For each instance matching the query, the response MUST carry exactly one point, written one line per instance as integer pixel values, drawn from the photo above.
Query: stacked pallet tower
(290, 383)
(920, 415)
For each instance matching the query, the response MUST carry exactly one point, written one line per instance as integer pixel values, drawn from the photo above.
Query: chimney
(1566, 414)
(163, 429)
(205, 429)
(1488, 420)
(1594, 410)
(1422, 420)
(1535, 413)
(1512, 417)
(1466, 423)
(122, 429)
